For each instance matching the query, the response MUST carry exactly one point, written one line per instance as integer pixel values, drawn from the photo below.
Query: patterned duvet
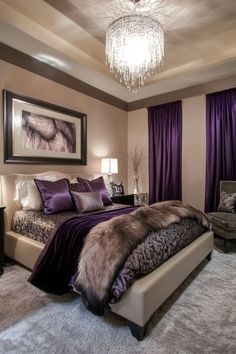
(38, 226)
(152, 252)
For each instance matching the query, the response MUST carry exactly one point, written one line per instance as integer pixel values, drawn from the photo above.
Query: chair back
(228, 186)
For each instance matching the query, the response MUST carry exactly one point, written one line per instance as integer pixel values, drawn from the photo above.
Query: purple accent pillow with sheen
(97, 184)
(55, 195)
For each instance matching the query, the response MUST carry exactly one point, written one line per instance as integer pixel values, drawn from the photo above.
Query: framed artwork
(37, 132)
(117, 188)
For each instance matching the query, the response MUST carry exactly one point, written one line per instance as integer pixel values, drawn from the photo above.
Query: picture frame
(38, 132)
(117, 188)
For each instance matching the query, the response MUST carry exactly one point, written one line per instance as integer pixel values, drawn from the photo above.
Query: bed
(145, 295)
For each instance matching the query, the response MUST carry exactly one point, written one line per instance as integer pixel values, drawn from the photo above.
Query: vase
(136, 188)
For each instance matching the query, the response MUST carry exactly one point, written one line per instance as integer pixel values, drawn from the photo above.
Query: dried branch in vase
(136, 159)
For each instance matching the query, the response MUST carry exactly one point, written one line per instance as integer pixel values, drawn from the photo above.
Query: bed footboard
(147, 294)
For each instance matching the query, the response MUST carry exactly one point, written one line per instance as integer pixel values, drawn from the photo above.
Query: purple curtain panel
(220, 144)
(165, 152)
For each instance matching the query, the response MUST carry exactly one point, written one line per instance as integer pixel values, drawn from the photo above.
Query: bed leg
(137, 331)
(209, 256)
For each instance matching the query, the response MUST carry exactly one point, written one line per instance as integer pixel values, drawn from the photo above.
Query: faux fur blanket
(108, 244)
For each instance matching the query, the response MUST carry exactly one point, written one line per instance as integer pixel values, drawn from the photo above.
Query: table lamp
(109, 165)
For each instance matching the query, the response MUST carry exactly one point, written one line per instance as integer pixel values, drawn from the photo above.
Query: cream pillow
(73, 180)
(26, 191)
(28, 195)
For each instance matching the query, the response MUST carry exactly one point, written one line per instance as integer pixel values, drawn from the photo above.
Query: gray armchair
(223, 223)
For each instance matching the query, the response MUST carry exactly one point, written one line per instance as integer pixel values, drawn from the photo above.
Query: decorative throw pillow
(80, 187)
(55, 195)
(28, 195)
(227, 202)
(97, 184)
(87, 201)
(73, 180)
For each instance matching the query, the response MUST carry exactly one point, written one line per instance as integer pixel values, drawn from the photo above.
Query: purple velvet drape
(221, 144)
(165, 152)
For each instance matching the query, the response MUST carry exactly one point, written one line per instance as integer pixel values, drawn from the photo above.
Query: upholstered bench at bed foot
(224, 225)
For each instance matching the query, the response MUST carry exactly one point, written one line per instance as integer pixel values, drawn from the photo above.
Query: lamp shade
(109, 165)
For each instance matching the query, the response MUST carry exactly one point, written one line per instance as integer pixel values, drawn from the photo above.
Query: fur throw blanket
(108, 244)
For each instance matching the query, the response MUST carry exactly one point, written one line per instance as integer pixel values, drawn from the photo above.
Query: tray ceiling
(200, 39)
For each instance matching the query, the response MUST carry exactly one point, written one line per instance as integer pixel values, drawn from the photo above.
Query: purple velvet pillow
(97, 184)
(55, 195)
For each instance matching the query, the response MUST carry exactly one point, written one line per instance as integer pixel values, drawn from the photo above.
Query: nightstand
(127, 199)
(1, 240)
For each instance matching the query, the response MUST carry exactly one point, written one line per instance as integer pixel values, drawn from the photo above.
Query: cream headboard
(8, 189)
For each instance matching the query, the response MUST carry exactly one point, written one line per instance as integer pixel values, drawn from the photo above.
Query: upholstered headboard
(8, 189)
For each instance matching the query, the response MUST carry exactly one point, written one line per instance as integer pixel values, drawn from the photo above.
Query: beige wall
(193, 156)
(107, 125)
(194, 150)
(111, 134)
(138, 137)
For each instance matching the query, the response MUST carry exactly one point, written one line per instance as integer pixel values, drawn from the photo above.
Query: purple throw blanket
(58, 260)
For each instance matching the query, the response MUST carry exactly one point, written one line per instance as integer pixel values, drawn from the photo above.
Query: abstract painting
(39, 132)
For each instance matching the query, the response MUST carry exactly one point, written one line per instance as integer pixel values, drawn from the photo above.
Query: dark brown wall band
(35, 66)
(202, 89)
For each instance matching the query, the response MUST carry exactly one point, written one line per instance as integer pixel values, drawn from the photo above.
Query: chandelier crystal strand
(134, 48)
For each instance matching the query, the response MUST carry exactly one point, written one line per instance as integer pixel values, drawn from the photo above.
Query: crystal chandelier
(134, 48)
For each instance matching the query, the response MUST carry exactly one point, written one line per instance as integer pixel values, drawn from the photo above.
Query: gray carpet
(200, 317)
